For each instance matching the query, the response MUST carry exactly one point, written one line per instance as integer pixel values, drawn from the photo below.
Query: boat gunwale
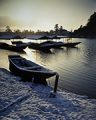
(33, 71)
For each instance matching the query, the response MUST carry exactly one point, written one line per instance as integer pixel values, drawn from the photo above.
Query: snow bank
(26, 101)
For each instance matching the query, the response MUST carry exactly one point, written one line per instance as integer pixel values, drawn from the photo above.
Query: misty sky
(44, 14)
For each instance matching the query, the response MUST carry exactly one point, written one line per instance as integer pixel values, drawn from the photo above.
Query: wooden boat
(16, 42)
(37, 46)
(20, 43)
(11, 47)
(28, 70)
(53, 44)
(71, 44)
(32, 45)
(46, 46)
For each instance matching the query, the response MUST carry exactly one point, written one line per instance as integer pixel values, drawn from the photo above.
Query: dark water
(76, 66)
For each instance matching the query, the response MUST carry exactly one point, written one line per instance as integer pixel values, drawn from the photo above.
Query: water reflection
(89, 51)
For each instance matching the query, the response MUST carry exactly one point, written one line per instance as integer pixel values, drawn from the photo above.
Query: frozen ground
(24, 101)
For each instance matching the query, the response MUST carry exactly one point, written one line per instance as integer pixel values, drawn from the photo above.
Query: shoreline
(19, 100)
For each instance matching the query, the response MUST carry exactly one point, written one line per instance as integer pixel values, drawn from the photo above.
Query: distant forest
(89, 30)
(58, 30)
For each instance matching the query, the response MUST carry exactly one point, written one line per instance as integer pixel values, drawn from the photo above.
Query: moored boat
(11, 47)
(16, 42)
(47, 45)
(71, 44)
(37, 46)
(20, 43)
(30, 71)
(54, 44)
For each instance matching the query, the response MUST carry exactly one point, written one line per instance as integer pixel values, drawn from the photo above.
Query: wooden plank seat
(32, 68)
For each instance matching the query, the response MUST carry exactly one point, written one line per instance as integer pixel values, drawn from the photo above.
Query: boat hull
(71, 44)
(38, 75)
(12, 48)
(52, 44)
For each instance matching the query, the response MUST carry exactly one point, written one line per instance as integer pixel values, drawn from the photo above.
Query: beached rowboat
(29, 70)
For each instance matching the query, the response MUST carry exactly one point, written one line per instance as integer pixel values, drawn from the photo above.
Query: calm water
(76, 66)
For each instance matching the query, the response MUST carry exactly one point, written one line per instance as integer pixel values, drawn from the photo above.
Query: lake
(76, 66)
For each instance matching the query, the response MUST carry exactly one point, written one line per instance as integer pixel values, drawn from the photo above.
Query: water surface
(76, 66)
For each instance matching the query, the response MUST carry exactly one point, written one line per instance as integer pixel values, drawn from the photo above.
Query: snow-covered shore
(26, 101)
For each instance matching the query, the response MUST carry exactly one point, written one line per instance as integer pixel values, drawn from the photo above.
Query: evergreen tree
(56, 27)
(8, 29)
(92, 20)
(89, 30)
(61, 30)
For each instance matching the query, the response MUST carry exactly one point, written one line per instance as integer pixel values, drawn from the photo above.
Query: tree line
(58, 30)
(89, 30)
